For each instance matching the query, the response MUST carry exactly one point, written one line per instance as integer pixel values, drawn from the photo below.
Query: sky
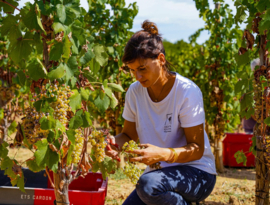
(176, 19)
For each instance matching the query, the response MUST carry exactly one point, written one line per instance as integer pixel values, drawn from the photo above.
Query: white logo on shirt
(168, 123)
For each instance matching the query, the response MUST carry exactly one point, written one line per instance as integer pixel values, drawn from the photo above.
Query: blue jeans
(177, 185)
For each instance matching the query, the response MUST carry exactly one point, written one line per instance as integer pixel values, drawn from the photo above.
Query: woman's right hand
(112, 149)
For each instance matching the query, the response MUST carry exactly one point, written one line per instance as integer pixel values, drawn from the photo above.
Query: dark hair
(146, 43)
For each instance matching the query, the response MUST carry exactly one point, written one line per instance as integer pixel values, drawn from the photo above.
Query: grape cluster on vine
(31, 125)
(79, 139)
(97, 140)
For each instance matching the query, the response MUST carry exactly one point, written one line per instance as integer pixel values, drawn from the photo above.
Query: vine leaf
(75, 122)
(61, 12)
(56, 51)
(40, 154)
(101, 55)
(102, 105)
(71, 135)
(75, 101)
(58, 27)
(114, 101)
(71, 67)
(267, 121)
(32, 165)
(36, 70)
(7, 8)
(116, 87)
(87, 57)
(242, 59)
(66, 48)
(59, 72)
(31, 19)
(47, 123)
(86, 117)
(240, 157)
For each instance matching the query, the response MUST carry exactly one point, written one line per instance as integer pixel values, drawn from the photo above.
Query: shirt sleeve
(129, 108)
(192, 111)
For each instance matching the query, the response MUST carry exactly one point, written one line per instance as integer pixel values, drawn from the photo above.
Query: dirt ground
(235, 187)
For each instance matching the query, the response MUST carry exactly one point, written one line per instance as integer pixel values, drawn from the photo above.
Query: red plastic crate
(234, 142)
(90, 190)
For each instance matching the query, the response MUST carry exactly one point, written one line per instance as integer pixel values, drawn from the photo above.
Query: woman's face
(147, 71)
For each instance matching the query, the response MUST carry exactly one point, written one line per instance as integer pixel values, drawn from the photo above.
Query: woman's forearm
(185, 154)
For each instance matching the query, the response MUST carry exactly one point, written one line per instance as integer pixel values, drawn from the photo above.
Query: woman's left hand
(150, 154)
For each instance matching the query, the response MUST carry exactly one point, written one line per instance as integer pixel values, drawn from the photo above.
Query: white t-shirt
(161, 123)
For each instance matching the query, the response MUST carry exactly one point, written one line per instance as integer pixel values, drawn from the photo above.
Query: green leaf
(12, 128)
(40, 154)
(75, 101)
(267, 121)
(22, 77)
(95, 66)
(39, 19)
(60, 126)
(66, 48)
(265, 22)
(20, 50)
(56, 51)
(240, 157)
(102, 105)
(85, 94)
(116, 87)
(20, 183)
(59, 72)
(32, 18)
(100, 54)
(8, 24)
(242, 59)
(71, 67)
(114, 101)
(75, 122)
(262, 5)
(1, 113)
(241, 86)
(86, 117)
(33, 166)
(36, 70)
(47, 123)
(61, 12)
(87, 57)
(58, 27)
(110, 50)
(240, 14)
(71, 136)
(7, 8)
(52, 160)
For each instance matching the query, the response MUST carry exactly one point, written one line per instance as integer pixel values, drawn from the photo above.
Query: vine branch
(5, 2)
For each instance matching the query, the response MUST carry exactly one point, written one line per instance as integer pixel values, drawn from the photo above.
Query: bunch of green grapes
(97, 140)
(79, 139)
(130, 169)
(130, 146)
(132, 172)
(30, 122)
(61, 95)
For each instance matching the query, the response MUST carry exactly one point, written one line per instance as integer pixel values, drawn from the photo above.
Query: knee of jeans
(144, 186)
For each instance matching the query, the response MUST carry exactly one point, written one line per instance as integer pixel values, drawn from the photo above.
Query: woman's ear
(162, 59)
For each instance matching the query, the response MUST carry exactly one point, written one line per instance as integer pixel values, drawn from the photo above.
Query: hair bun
(150, 27)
